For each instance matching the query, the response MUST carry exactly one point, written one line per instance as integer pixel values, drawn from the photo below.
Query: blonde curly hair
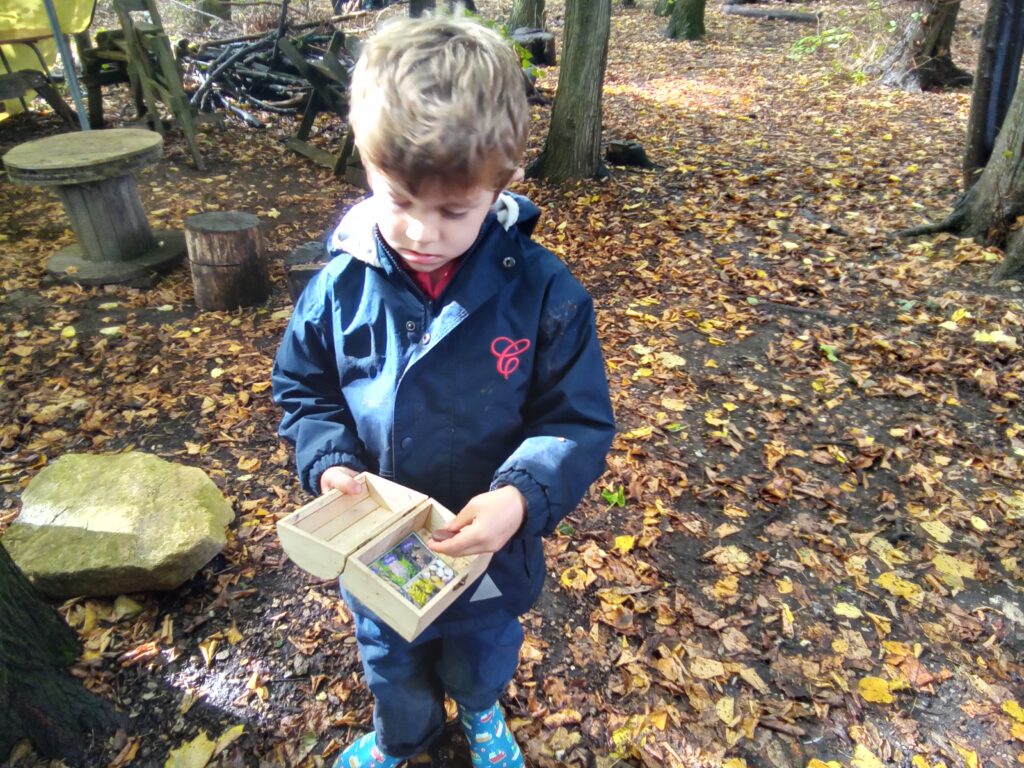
(440, 99)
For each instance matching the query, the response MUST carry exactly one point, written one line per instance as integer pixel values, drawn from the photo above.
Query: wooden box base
(345, 534)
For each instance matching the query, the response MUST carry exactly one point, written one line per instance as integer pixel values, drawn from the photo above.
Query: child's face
(432, 227)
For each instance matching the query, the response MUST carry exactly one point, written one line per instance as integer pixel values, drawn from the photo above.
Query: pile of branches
(237, 73)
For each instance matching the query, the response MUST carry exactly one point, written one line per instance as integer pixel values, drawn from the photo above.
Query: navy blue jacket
(498, 382)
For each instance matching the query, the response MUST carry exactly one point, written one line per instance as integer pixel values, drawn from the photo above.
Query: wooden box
(351, 535)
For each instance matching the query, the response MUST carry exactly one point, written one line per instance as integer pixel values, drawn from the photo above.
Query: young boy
(443, 349)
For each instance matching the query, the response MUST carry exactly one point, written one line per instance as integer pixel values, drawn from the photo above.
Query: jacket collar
(356, 234)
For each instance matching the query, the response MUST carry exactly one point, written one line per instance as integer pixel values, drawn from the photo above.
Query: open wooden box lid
(320, 536)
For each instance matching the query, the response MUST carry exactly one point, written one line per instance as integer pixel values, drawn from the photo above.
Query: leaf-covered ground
(807, 544)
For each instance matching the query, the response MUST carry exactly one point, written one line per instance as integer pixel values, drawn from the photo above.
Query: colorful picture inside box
(416, 572)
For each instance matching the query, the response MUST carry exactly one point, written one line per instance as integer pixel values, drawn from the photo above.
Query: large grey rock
(105, 525)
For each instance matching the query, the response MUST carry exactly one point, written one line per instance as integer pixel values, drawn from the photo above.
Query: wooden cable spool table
(92, 171)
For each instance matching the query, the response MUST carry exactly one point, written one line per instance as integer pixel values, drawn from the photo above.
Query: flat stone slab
(106, 525)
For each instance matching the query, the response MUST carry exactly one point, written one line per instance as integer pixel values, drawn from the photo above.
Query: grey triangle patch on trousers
(485, 590)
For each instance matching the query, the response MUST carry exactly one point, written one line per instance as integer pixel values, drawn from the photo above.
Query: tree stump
(627, 153)
(539, 43)
(225, 254)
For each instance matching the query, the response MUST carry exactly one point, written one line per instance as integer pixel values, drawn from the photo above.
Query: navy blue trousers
(409, 680)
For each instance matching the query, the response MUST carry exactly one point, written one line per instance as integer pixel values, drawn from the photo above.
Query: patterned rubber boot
(491, 743)
(363, 753)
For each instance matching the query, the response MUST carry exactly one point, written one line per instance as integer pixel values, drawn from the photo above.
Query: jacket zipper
(392, 257)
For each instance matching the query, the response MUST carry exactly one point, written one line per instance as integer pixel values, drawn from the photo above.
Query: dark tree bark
(995, 80)
(526, 13)
(687, 20)
(418, 7)
(920, 59)
(573, 146)
(989, 209)
(39, 699)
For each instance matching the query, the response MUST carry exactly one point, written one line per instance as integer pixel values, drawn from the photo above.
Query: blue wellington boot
(363, 753)
(491, 743)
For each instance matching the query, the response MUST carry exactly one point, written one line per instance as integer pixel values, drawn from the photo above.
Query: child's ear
(518, 175)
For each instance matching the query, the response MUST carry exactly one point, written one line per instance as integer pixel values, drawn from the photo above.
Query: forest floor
(807, 547)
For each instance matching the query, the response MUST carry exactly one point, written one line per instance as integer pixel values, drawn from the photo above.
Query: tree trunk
(995, 80)
(38, 698)
(1012, 267)
(418, 7)
(988, 209)
(663, 8)
(526, 13)
(687, 22)
(573, 146)
(920, 59)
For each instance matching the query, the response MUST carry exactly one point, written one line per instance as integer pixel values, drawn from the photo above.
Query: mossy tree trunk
(663, 8)
(995, 81)
(573, 146)
(526, 13)
(687, 20)
(919, 59)
(39, 699)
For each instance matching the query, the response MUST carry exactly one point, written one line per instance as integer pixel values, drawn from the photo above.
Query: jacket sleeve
(569, 421)
(316, 420)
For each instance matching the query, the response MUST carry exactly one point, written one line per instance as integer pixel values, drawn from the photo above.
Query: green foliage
(833, 39)
(616, 497)
(525, 57)
(829, 350)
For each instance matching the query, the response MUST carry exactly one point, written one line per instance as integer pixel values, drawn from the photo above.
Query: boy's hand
(341, 478)
(485, 524)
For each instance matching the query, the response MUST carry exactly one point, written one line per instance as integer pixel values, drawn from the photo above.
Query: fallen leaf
(997, 336)
(895, 585)
(227, 738)
(706, 669)
(624, 544)
(953, 571)
(938, 530)
(876, 690)
(865, 758)
(1014, 710)
(847, 610)
(192, 754)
